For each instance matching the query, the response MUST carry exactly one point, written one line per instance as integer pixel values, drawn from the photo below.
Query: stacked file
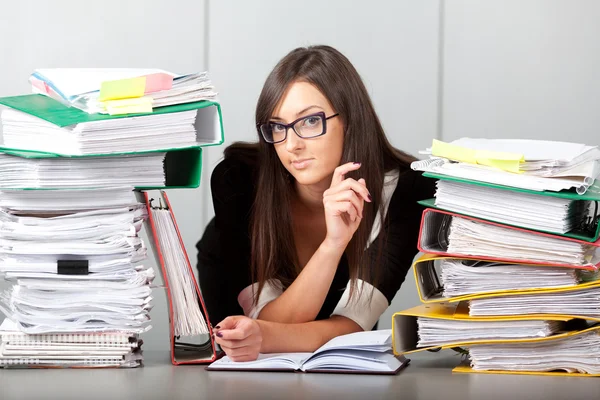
(140, 170)
(509, 272)
(105, 349)
(536, 165)
(93, 89)
(72, 156)
(75, 271)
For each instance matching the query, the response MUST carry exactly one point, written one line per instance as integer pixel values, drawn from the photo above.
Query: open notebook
(361, 352)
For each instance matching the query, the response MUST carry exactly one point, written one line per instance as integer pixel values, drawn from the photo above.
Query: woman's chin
(306, 178)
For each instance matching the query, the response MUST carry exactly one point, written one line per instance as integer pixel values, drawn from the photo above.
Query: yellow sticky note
(129, 106)
(453, 152)
(510, 162)
(123, 89)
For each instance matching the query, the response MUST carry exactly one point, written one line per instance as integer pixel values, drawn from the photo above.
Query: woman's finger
(235, 344)
(342, 207)
(347, 195)
(340, 172)
(350, 184)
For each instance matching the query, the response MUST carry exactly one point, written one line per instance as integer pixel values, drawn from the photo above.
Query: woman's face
(311, 161)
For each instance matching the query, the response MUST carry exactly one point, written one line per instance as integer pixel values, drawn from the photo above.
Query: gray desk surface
(429, 376)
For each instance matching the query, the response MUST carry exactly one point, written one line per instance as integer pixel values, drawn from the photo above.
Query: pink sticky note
(157, 82)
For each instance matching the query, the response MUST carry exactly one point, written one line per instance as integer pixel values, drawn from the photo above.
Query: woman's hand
(240, 337)
(344, 201)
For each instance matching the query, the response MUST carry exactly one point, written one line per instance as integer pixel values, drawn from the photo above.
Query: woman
(297, 244)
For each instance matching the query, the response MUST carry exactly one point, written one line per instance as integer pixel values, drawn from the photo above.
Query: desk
(428, 376)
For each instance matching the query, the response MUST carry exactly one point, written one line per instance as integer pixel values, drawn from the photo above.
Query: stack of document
(73, 259)
(474, 238)
(68, 200)
(528, 164)
(575, 354)
(142, 170)
(531, 211)
(82, 87)
(106, 349)
(118, 135)
(583, 302)
(187, 318)
(439, 332)
(513, 234)
(464, 277)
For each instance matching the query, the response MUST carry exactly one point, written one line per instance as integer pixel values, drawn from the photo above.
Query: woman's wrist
(333, 247)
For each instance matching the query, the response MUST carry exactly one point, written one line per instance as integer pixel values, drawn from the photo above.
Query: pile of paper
(581, 302)
(119, 135)
(513, 235)
(75, 270)
(477, 239)
(141, 170)
(188, 319)
(464, 277)
(439, 332)
(578, 353)
(529, 164)
(527, 210)
(106, 90)
(105, 349)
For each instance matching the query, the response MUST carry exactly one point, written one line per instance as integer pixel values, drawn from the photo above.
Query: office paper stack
(73, 259)
(509, 272)
(71, 211)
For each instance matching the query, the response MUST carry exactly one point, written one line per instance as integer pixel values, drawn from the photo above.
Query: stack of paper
(107, 349)
(119, 135)
(531, 211)
(72, 257)
(513, 238)
(576, 353)
(66, 200)
(83, 87)
(187, 315)
(581, 302)
(528, 164)
(474, 238)
(144, 170)
(439, 332)
(463, 277)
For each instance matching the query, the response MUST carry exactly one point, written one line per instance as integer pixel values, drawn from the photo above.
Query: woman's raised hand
(344, 201)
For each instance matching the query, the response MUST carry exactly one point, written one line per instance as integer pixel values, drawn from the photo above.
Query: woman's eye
(277, 128)
(311, 121)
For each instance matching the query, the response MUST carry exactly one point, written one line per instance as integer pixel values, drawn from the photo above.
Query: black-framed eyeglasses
(309, 126)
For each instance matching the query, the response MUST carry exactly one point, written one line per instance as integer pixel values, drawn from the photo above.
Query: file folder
(203, 350)
(405, 330)
(183, 167)
(466, 369)
(435, 225)
(430, 287)
(591, 233)
(209, 120)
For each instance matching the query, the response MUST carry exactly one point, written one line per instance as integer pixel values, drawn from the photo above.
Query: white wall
(511, 68)
(522, 69)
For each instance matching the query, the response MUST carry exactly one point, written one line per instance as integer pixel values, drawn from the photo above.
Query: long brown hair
(273, 249)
